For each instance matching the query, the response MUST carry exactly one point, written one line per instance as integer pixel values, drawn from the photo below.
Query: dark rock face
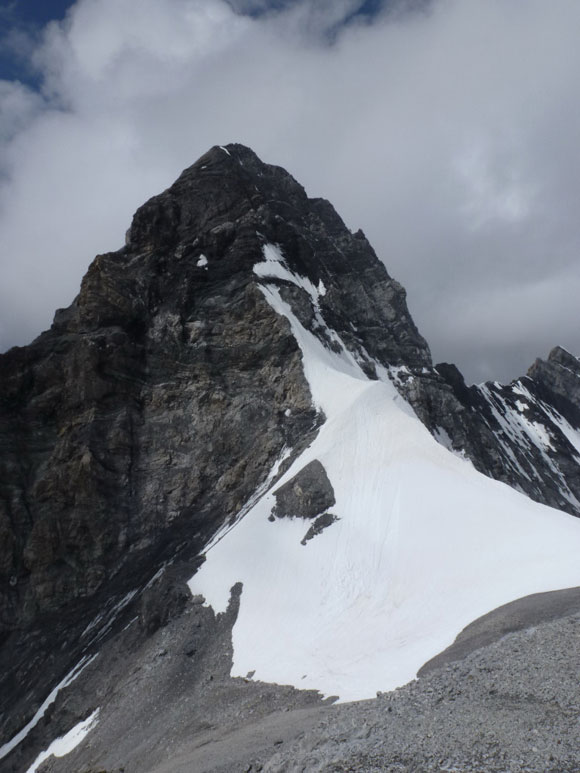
(322, 522)
(120, 438)
(557, 382)
(306, 495)
(520, 434)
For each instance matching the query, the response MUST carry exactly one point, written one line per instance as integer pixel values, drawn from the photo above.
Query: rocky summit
(178, 393)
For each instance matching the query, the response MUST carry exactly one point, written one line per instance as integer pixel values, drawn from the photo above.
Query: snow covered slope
(423, 543)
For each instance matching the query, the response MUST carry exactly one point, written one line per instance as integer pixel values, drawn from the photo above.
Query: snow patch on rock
(66, 743)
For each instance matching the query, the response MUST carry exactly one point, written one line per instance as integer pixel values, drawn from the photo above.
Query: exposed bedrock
(308, 494)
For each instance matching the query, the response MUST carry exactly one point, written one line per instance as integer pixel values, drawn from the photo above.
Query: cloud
(449, 134)
(19, 107)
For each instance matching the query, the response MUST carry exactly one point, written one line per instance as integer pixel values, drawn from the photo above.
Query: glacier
(424, 543)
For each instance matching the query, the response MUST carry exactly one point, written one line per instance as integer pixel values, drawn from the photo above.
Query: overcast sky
(450, 132)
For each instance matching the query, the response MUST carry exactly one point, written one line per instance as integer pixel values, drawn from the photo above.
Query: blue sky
(37, 11)
(28, 17)
(446, 129)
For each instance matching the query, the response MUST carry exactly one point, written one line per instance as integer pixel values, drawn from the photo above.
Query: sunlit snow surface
(424, 544)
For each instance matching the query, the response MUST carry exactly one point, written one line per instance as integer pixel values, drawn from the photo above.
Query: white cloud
(19, 106)
(449, 136)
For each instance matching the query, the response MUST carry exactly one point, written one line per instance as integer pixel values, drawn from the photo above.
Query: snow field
(424, 544)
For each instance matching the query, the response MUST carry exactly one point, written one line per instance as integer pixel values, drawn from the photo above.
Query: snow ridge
(424, 543)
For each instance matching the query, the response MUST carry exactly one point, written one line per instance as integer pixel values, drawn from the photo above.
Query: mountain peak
(558, 377)
(224, 185)
(244, 346)
(218, 216)
(564, 357)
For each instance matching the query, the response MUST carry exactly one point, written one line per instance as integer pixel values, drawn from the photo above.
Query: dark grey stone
(322, 522)
(488, 423)
(306, 495)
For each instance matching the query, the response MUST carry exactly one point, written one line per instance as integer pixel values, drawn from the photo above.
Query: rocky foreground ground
(510, 703)
(513, 706)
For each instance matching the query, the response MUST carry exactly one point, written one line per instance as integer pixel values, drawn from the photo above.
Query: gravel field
(511, 703)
